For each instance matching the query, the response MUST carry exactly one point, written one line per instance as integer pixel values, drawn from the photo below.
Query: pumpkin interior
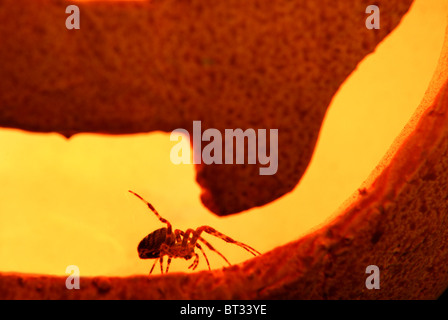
(65, 202)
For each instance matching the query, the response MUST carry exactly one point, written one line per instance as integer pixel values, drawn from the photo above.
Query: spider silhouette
(180, 244)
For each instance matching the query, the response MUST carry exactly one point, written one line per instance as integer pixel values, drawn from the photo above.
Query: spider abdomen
(149, 247)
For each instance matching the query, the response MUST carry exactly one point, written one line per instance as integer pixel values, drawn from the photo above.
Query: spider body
(155, 244)
(149, 247)
(179, 244)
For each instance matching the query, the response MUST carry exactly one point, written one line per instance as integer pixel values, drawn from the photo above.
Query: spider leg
(154, 264)
(161, 263)
(185, 236)
(222, 236)
(163, 220)
(195, 262)
(213, 249)
(168, 264)
(203, 253)
(178, 233)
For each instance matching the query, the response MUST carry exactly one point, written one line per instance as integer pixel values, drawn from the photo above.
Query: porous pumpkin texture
(158, 65)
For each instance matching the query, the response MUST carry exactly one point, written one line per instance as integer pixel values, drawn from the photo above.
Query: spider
(180, 244)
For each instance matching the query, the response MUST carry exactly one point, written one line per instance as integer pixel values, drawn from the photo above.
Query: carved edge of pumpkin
(102, 82)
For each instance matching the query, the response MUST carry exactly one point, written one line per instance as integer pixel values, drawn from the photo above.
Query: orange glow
(65, 202)
(104, 0)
